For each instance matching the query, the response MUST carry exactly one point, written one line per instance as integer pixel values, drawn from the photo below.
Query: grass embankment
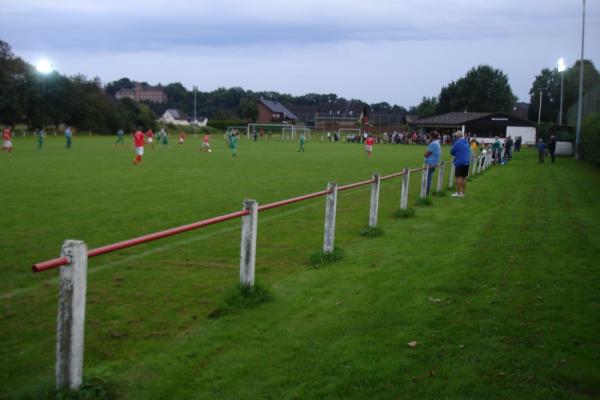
(499, 289)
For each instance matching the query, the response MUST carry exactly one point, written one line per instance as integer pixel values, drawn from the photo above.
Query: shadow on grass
(241, 297)
(321, 258)
(371, 232)
(92, 388)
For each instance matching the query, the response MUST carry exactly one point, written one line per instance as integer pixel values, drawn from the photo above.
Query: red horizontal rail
(357, 184)
(57, 262)
(292, 200)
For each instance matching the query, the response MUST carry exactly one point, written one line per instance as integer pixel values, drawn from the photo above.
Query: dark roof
(456, 119)
(277, 107)
(304, 112)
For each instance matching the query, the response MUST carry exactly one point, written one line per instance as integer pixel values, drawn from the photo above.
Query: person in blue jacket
(462, 155)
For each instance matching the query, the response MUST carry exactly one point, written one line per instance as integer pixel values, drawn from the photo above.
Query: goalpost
(251, 128)
(290, 132)
(356, 131)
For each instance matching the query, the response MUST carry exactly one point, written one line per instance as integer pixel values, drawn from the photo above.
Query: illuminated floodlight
(561, 65)
(44, 66)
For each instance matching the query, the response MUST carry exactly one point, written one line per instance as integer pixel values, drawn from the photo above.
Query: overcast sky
(375, 50)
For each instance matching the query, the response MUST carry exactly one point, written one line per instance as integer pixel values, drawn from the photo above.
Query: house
(385, 121)
(306, 114)
(142, 92)
(272, 111)
(172, 116)
(340, 114)
(484, 125)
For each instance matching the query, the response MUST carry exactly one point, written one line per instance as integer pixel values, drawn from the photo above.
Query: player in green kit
(120, 135)
(40, 139)
(301, 148)
(233, 141)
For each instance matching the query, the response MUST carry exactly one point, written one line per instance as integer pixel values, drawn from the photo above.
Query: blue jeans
(430, 172)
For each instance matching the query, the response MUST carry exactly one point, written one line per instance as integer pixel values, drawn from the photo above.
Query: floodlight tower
(561, 68)
(44, 67)
(579, 103)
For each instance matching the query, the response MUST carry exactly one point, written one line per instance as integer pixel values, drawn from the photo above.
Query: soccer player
(40, 139)
(233, 141)
(206, 143)
(301, 148)
(165, 137)
(181, 137)
(138, 140)
(150, 137)
(69, 137)
(7, 140)
(120, 135)
(369, 145)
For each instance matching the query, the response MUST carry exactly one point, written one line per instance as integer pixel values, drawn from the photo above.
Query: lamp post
(579, 103)
(195, 119)
(561, 68)
(44, 67)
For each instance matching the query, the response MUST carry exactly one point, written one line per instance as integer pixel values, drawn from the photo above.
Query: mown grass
(499, 289)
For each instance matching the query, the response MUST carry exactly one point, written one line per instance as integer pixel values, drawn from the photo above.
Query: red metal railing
(57, 262)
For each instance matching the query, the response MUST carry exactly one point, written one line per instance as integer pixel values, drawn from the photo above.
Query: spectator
(552, 147)
(541, 146)
(462, 155)
(432, 157)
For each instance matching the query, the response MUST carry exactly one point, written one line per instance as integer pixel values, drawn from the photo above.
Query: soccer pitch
(480, 283)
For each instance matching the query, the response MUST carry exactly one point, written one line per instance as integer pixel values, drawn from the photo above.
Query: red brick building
(271, 111)
(141, 92)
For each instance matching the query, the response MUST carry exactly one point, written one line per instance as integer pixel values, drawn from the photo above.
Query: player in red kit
(150, 137)
(7, 140)
(138, 139)
(369, 145)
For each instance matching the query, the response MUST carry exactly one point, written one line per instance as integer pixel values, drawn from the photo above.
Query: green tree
(427, 107)
(13, 86)
(113, 87)
(482, 89)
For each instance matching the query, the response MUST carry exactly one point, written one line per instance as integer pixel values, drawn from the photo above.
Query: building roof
(175, 113)
(456, 119)
(277, 107)
(341, 109)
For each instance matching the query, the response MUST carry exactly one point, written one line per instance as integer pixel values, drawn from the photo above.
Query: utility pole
(540, 110)
(195, 119)
(580, 102)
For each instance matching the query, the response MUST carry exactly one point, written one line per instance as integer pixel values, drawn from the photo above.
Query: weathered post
(479, 160)
(440, 179)
(424, 175)
(452, 173)
(248, 245)
(472, 166)
(330, 209)
(404, 192)
(71, 315)
(374, 201)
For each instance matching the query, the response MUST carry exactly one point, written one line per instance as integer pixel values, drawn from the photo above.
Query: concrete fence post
(440, 179)
(374, 201)
(330, 210)
(71, 315)
(248, 245)
(425, 172)
(479, 160)
(404, 192)
(472, 166)
(451, 174)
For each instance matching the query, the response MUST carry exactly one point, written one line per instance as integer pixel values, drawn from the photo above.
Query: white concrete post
(71, 315)
(330, 210)
(479, 160)
(452, 173)
(374, 201)
(248, 245)
(404, 192)
(472, 166)
(423, 193)
(440, 179)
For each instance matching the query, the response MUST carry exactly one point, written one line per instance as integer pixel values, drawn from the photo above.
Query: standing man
(206, 143)
(68, 136)
(7, 140)
(508, 148)
(497, 150)
(432, 157)
(150, 137)
(138, 140)
(462, 155)
(552, 147)
(301, 148)
(541, 147)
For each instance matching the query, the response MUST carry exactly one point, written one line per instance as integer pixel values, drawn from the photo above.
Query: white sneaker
(455, 194)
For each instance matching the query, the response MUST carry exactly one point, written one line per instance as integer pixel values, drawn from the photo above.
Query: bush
(371, 232)
(424, 201)
(404, 213)
(590, 139)
(321, 258)
(241, 297)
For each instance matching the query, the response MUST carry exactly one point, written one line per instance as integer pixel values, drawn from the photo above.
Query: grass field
(500, 289)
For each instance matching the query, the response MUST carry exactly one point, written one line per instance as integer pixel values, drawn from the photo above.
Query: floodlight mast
(44, 67)
(579, 103)
(561, 68)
